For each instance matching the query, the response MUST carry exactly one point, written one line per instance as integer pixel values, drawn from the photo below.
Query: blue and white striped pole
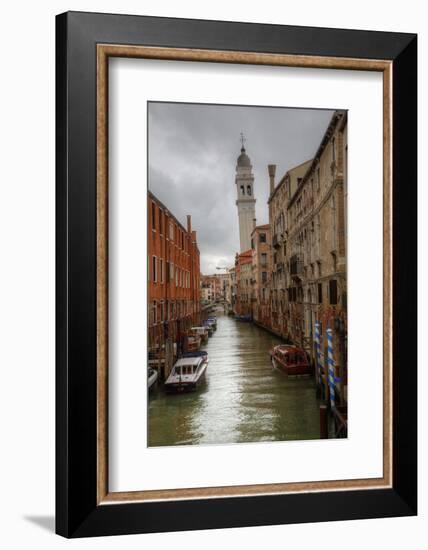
(331, 374)
(317, 351)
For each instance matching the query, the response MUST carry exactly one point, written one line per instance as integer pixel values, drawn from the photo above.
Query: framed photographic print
(236, 274)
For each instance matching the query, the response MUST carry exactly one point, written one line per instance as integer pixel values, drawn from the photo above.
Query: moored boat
(202, 332)
(188, 372)
(152, 377)
(291, 359)
(243, 318)
(213, 322)
(193, 342)
(209, 327)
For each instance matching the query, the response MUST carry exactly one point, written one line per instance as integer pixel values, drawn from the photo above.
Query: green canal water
(243, 399)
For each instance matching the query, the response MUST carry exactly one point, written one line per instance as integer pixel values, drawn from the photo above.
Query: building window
(171, 271)
(160, 222)
(334, 260)
(319, 269)
(161, 272)
(154, 311)
(242, 190)
(320, 293)
(262, 237)
(249, 190)
(333, 291)
(264, 277)
(171, 231)
(162, 312)
(154, 269)
(153, 216)
(264, 258)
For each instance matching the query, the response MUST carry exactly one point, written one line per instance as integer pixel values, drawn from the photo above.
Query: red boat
(292, 360)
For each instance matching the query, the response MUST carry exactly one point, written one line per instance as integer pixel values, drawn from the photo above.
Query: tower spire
(243, 140)
(246, 203)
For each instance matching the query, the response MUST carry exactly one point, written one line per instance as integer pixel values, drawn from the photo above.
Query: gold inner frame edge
(104, 51)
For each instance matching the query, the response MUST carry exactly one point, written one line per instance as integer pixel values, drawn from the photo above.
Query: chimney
(272, 170)
(189, 223)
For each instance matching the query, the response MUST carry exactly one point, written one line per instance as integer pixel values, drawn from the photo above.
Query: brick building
(243, 272)
(173, 275)
(214, 287)
(261, 274)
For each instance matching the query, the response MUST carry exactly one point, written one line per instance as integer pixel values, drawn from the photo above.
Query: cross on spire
(243, 140)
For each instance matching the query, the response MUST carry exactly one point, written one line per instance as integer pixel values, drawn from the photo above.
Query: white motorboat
(188, 372)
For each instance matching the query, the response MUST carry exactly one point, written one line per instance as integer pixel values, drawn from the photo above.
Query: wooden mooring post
(323, 422)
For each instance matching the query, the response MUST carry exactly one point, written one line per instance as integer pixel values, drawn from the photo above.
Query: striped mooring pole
(331, 374)
(317, 351)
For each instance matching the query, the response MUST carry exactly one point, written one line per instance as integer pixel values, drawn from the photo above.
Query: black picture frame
(77, 512)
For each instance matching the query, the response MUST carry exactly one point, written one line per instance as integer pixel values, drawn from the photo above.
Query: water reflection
(243, 399)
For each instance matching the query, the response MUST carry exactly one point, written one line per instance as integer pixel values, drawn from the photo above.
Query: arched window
(249, 190)
(242, 190)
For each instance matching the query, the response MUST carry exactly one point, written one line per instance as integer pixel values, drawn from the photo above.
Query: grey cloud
(192, 158)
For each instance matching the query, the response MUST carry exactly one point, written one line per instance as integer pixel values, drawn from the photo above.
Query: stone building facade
(280, 227)
(173, 276)
(307, 214)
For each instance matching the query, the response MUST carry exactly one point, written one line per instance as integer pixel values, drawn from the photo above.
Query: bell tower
(245, 201)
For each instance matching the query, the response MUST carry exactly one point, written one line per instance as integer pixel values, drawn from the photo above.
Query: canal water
(243, 399)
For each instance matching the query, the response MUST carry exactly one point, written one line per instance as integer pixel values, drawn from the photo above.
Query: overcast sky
(192, 162)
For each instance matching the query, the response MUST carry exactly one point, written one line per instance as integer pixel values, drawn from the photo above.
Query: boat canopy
(188, 361)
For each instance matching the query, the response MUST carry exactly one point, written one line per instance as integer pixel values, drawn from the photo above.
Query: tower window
(242, 190)
(249, 190)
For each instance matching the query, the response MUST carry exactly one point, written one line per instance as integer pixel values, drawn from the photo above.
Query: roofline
(339, 114)
(281, 181)
(154, 197)
(264, 227)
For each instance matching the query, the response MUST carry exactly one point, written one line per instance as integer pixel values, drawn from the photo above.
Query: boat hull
(302, 369)
(184, 387)
(151, 382)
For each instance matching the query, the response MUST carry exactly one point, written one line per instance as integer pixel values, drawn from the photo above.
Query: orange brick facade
(173, 276)
(243, 269)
